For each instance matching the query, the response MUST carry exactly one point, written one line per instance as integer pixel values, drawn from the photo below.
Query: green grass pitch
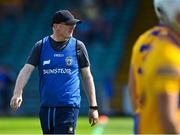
(31, 125)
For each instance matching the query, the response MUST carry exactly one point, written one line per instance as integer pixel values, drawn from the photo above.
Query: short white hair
(167, 10)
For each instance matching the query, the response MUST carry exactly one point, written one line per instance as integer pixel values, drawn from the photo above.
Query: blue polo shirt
(59, 75)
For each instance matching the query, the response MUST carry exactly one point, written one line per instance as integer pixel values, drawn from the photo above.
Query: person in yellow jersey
(139, 53)
(160, 79)
(150, 90)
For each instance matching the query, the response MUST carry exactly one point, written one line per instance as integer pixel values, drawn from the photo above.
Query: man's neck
(58, 38)
(172, 31)
(175, 34)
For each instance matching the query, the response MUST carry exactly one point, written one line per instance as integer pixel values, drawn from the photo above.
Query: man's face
(65, 30)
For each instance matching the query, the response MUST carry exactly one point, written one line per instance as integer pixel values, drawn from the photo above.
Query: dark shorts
(58, 120)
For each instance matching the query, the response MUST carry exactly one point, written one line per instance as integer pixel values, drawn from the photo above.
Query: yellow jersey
(161, 74)
(139, 54)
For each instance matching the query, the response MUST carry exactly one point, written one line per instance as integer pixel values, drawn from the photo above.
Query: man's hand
(21, 81)
(16, 102)
(93, 117)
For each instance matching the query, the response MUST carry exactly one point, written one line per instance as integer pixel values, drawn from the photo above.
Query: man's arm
(132, 89)
(90, 92)
(21, 81)
(167, 91)
(168, 105)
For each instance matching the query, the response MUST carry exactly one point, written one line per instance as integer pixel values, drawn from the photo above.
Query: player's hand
(93, 117)
(16, 102)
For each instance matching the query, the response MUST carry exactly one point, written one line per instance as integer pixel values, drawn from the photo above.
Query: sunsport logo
(57, 71)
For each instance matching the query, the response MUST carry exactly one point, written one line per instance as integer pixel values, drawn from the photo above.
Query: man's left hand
(93, 117)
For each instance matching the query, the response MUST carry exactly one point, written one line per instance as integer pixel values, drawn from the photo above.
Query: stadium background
(109, 29)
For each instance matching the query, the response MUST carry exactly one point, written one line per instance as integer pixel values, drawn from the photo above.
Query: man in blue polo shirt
(60, 59)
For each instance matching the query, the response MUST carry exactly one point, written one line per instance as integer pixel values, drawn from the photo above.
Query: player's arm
(135, 60)
(168, 105)
(132, 89)
(84, 65)
(90, 92)
(167, 85)
(24, 75)
(21, 81)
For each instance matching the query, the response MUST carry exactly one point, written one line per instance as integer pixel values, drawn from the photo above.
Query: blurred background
(109, 30)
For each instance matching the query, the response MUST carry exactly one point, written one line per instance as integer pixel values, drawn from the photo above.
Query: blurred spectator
(101, 29)
(15, 9)
(95, 28)
(33, 5)
(7, 79)
(84, 31)
(11, 9)
(110, 3)
(88, 2)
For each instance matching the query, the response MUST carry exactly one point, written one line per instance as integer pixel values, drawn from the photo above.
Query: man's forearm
(90, 90)
(132, 90)
(22, 79)
(168, 106)
(170, 127)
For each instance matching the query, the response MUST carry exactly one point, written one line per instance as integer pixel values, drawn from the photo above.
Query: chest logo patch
(69, 61)
(46, 62)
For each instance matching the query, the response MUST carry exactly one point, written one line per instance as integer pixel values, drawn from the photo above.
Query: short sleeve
(34, 55)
